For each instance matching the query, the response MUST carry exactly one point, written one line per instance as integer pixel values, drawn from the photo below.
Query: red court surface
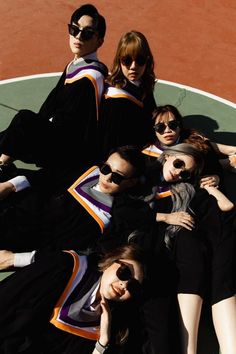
(193, 42)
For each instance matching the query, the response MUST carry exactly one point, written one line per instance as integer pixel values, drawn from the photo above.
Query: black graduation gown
(126, 118)
(28, 298)
(204, 257)
(59, 221)
(63, 134)
(150, 328)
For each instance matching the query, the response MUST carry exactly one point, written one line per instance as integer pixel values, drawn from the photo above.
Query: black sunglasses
(160, 127)
(85, 33)
(127, 60)
(124, 273)
(116, 177)
(178, 163)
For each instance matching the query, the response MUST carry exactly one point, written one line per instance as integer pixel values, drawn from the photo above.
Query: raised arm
(223, 202)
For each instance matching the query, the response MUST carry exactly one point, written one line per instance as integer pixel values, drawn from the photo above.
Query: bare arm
(180, 218)
(227, 150)
(229, 162)
(224, 203)
(9, 259)
(6, 259)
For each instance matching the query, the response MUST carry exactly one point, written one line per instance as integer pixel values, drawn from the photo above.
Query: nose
(133, 64)
(167, 128)
(78, 35)
(177, 172)
(108, 177)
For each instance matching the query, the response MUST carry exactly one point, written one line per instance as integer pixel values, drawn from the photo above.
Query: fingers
(209, 181)
(186, 221)
(232, 160)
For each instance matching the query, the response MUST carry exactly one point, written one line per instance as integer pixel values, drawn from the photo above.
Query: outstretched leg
(190, 306)
(224, 319)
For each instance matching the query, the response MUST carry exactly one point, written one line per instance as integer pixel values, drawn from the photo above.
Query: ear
(133, 181)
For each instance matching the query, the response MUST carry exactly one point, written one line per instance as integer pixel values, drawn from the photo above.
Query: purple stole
(97, 204)
(70, 313)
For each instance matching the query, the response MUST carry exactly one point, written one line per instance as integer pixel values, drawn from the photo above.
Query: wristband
(101, 348)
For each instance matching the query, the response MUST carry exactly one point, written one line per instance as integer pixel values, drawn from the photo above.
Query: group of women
(147, 208)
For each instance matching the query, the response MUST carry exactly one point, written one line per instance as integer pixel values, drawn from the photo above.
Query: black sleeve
(129, 216)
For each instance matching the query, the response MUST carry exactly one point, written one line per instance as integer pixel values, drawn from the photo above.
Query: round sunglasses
(127, 60)
(161, 127)
(85, 33)
(124, 273)
(116, 177)
(184, 174)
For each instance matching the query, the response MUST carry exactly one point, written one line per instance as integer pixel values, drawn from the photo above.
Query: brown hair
(129, 251)
(168, 108)
(133, 43)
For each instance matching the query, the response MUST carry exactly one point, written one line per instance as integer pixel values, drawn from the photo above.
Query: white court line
(188, 88)
(195, 90)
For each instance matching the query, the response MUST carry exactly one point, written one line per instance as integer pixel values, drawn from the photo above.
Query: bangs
(165, 117)
(133, 49)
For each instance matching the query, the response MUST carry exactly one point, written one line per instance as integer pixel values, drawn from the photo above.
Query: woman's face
(116, 289)
(133, 68)
(114, 166)
(178, 167)
(169, 132)
(81, 47)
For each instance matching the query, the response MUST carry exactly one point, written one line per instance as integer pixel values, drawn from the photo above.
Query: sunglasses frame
(127, 60)
(178, 163)
(116, 177)
(133, 285)
(161, 127)
(85, 33)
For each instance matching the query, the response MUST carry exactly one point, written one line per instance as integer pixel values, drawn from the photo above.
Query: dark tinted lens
(141, 60)
(105, 169)
(173, 124)
(86, 33)
(179, 164)
(134, 287)
(185, 174)
(117, 178)
(73, 30)
(127, 60)
(123, 272)
(160, 128)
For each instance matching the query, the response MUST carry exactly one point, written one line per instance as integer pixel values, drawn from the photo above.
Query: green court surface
(210, 114)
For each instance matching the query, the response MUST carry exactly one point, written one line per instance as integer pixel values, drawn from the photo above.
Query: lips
(117, 291)
(174, 176)
(104, 185)
(77, 44)
(168, 137)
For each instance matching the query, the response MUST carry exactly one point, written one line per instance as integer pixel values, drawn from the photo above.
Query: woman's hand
(180, 218)
(6, 259)
(105, 322)
(209, 181)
